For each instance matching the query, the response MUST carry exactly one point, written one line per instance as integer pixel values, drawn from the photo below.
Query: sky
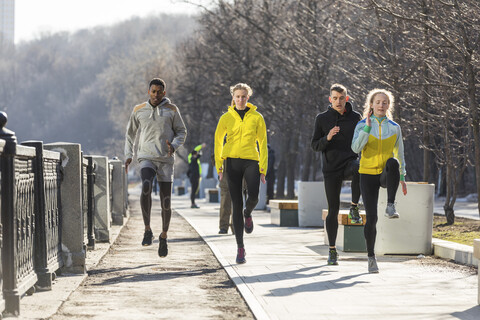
(34, 17)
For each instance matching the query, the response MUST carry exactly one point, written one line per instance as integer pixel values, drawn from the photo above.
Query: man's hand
(220, 176)
(127, 163)
(404, 187)
(333, 132)
(262, 178)
(170, 148)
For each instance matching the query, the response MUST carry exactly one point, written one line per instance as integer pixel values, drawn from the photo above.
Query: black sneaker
(222, 231)
(354, 215)
(147, 238)
(332, 257)
(162, 247)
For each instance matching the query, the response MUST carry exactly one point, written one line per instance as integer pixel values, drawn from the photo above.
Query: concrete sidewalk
(286, 275)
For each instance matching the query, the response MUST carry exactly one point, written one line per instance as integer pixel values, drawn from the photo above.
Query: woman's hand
(368, 121)
(262, 178)
(404, 187)
(220, 176)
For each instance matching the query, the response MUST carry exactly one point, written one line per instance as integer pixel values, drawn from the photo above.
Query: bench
(212, 195)
(350, 236)
(284, 213)
(476, 254)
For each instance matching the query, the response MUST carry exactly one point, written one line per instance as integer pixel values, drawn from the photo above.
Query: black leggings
(370, 186)
(194, 182)
(148, 174)
(237, 170)
(333, 186)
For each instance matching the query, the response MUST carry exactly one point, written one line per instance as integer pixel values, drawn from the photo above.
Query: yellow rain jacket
(378, 143)
(242, 138)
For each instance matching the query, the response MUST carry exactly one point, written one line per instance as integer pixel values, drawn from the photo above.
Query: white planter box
(412, 232)
(311, 201)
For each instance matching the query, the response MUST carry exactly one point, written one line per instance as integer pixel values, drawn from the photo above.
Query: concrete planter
(412, 232)
(311, 201)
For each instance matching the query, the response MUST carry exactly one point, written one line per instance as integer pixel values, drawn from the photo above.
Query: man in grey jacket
(161, 132)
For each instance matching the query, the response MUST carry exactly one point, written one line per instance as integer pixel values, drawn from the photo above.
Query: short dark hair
(339, 88)
(157, 82)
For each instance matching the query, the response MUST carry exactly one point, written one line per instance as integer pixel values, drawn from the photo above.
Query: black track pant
(333, 187)
(237, 170)
(370, 186)
(148, 174)
(194, 183)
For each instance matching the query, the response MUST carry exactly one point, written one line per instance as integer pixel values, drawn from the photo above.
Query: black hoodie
(337, 152)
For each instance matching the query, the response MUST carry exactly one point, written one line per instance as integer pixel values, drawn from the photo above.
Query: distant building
(7, 21)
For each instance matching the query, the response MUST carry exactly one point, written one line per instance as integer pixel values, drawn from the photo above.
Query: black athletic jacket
(337, 152)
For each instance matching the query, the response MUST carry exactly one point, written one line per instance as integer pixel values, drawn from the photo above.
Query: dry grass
(462, 231)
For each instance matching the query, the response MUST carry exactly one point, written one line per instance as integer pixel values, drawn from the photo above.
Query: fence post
(9, 262)
(118, 192)
(73, 248)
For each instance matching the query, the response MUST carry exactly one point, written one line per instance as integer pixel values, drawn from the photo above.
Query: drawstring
(153, 112)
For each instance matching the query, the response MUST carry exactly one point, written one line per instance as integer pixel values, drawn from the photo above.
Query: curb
(460, 253)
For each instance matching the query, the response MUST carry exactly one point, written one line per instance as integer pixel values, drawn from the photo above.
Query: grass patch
(463, 231)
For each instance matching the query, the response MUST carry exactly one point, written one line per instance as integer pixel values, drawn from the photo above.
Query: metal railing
(33, 214)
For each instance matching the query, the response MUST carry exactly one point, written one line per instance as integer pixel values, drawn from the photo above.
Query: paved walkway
(286, 276)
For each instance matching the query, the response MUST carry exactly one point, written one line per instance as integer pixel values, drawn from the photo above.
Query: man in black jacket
(332, 136)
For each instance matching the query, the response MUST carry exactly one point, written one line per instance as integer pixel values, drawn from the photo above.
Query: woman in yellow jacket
(246, 155)
(382, 162)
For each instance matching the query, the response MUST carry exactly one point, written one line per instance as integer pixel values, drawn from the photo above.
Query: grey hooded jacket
(155, 126)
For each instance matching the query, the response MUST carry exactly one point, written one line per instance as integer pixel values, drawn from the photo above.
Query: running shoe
(222, 231)
(241, 256)
(194, 206)
(391, 212)
(147, 238)
(332, 257)
(248, 223)
(162, 247)
(372, 265)
(354, 215)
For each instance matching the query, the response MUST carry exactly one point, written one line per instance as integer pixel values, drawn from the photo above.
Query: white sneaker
(372, 265)
(391, 212)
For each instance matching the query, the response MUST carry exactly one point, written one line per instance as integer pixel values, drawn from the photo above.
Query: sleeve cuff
(367, 129)
(402, 177)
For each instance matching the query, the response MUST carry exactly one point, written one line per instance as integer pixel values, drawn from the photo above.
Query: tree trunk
(281, 179)
(307, 163)
(292, 157)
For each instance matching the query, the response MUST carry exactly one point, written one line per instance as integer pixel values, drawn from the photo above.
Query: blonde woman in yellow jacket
(246, 155)
(382, 162)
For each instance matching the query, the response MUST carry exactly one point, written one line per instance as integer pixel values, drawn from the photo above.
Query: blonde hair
(240, 86)
(369, 101)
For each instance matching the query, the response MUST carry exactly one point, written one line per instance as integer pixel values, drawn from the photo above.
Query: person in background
(195, 172)
(271, 173)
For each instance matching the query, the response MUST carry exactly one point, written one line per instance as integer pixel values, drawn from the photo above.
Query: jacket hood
(251, 106)
(348, 108)
(164, 101)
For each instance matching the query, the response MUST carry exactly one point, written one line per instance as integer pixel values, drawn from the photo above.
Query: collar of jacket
(164, 101)
(378, 119)
(348, 109)
(251, 106)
